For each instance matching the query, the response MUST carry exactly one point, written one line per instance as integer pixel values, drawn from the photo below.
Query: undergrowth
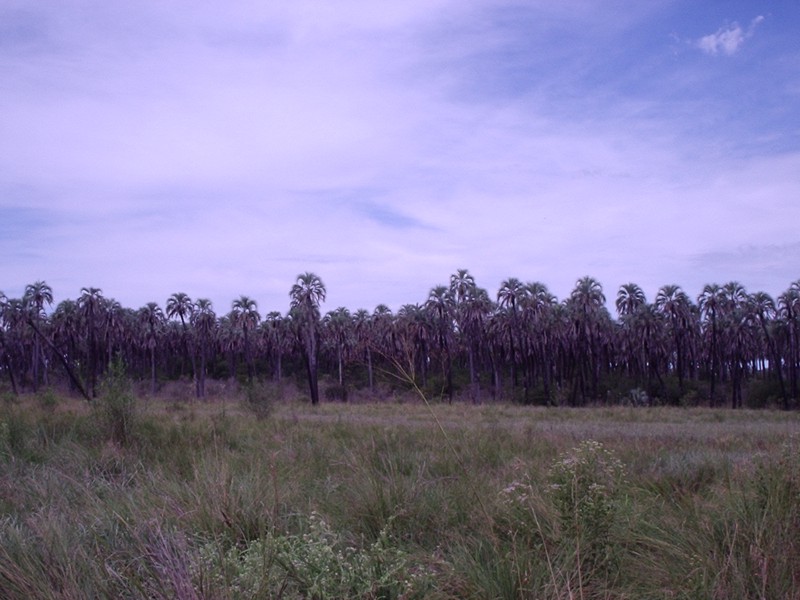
(370, 501)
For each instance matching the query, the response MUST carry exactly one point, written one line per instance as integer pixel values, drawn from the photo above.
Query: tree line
(725, 347)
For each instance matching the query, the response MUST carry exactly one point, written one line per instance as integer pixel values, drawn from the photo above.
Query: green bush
(315, 564)
(259, 398)
(761, 393)
(585, 488)
(47, 400)
(116, 406)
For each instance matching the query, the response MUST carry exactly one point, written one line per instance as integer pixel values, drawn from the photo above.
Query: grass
(209, 500)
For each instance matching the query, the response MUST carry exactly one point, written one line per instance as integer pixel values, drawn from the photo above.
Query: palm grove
(725, 347)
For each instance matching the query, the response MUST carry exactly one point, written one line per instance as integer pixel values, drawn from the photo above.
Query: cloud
(727, 40)
(220, 152)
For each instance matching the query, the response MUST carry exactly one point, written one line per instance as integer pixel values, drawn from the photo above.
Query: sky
(221, 149)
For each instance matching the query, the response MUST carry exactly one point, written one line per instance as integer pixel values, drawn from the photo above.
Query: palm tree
(738, 334)
(471, 308)
(229, 341)
(586, 305)
(383, 328)
(629, 298)
(180, 305)
(763, 306)
(412, 331)
(204, 322)
(151, 319)
(673, 303)
(338, 324)
(439, 308)
(5, 349)
(276, 333)
(647, 342)
(710, 301)
(306, 295)
(244, 313)
(509, 297)
(789, 310)
(66, 324)
(36, 296)
(90, 305)
(362, 330)
(462, 286)
(536, 316)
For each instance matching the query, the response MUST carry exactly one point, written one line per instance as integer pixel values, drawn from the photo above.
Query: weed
(585, 488)
(315, 564)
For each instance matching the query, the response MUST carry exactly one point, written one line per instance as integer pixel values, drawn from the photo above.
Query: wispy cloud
(727, 40)
(389, 217)
(179, 147)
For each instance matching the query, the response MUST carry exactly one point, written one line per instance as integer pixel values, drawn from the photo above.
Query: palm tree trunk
(369, 369)
(153, 370)
(312, 366)
(201, 378)
(247, 357)
(713, 355)
(473, 380)
(201, 375)
(341, 370)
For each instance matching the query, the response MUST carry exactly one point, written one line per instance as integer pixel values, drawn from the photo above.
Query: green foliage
(317, 563)
(116, 406)
(260, 398)
(336, 393)
(564, 536)
(5, 440)
(762, 393)
(586, 487)
(47, 399)
(323, 565)
(637, 397)
(369, 501)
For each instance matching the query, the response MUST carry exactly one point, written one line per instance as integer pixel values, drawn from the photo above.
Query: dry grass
(205, 497)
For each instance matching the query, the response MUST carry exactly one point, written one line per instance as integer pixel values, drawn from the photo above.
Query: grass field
(139, 498)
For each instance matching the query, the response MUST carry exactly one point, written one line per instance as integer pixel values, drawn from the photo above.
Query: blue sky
(221, 149)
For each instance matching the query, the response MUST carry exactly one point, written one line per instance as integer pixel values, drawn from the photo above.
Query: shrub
(5, 440)
(637, 397)
(47, 400)
(116, 406)
(259, 399)
(315, 564)
(336, 392)
(585, 491)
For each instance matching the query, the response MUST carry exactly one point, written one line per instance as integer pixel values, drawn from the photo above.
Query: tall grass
(369, 501)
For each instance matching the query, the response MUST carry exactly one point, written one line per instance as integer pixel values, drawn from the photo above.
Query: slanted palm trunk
(312, 366)
(775, 360)
(7, 365)
(475, 390)
(35, 363)
(192, 357)
(153, 369)
(201, 376)
(92, 358)
(248, 357)
(279, 366)
(793, 357)
(369, 369)
(713, 356)
(341, 365)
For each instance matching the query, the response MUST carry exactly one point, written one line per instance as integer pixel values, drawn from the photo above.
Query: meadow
(248, 496)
